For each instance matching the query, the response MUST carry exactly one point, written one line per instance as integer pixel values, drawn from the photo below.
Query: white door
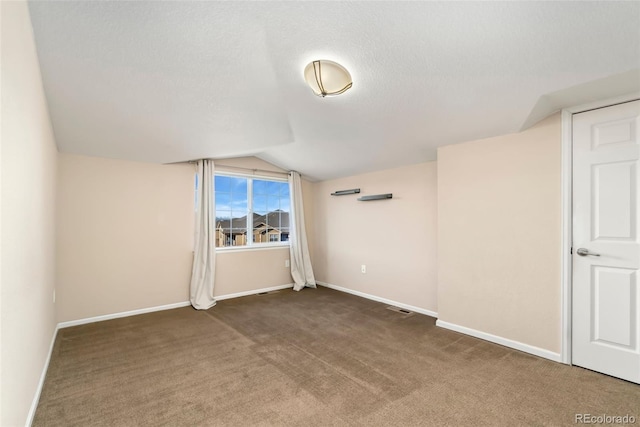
(606, 248)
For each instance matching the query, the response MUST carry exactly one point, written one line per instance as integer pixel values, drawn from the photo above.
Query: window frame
(251, 245)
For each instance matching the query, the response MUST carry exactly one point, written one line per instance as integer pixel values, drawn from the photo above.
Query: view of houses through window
(251, 211)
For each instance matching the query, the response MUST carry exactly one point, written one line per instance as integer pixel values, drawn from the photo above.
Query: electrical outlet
(286, 263)
(363, 268)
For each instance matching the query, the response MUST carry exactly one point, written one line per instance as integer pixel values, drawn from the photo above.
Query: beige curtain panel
(301, 269)
(204, 255)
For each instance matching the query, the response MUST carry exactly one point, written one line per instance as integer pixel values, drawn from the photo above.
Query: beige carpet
(317, 357)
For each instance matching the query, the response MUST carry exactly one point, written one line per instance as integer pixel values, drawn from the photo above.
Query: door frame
(567, 213)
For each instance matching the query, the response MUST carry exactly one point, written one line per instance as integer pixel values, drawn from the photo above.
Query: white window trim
(246, 175)
(257, 247)
(252, 246)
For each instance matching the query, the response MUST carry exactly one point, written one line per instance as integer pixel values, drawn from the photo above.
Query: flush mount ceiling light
(327, 78)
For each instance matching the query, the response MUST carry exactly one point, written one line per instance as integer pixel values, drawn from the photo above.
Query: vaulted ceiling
(172, 81)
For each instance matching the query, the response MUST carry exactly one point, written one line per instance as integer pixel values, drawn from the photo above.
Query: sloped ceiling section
(158, 81)
(595, 90)
(172, 81)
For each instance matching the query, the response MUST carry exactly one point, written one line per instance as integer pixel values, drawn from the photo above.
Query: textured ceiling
(172, 81)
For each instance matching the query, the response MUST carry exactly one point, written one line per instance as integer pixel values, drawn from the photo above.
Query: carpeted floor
(317, 357)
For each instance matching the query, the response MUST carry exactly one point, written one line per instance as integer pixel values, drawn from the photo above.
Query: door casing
(567, 214)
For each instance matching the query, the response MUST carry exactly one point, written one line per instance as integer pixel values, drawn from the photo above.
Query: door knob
(585, 252)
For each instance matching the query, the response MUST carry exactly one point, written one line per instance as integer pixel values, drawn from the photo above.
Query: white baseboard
(43, 375)
(253, 292)
(164, 307)
(379, 299)
(122, 314)
(536, 351)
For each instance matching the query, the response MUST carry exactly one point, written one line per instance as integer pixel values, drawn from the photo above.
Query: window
(251, 211)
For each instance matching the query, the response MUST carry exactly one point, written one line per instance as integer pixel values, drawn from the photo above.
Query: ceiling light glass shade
(327, 78)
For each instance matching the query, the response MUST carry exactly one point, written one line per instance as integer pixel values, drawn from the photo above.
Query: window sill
(259, 247)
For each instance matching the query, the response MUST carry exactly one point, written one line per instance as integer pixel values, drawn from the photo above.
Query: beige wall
(28, 223)
(125, 238)
(395, 239)
(246, 164)
(248, 270)
(125, 235)
(499, 230)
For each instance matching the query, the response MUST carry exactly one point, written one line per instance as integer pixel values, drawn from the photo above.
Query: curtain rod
(246, 169)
